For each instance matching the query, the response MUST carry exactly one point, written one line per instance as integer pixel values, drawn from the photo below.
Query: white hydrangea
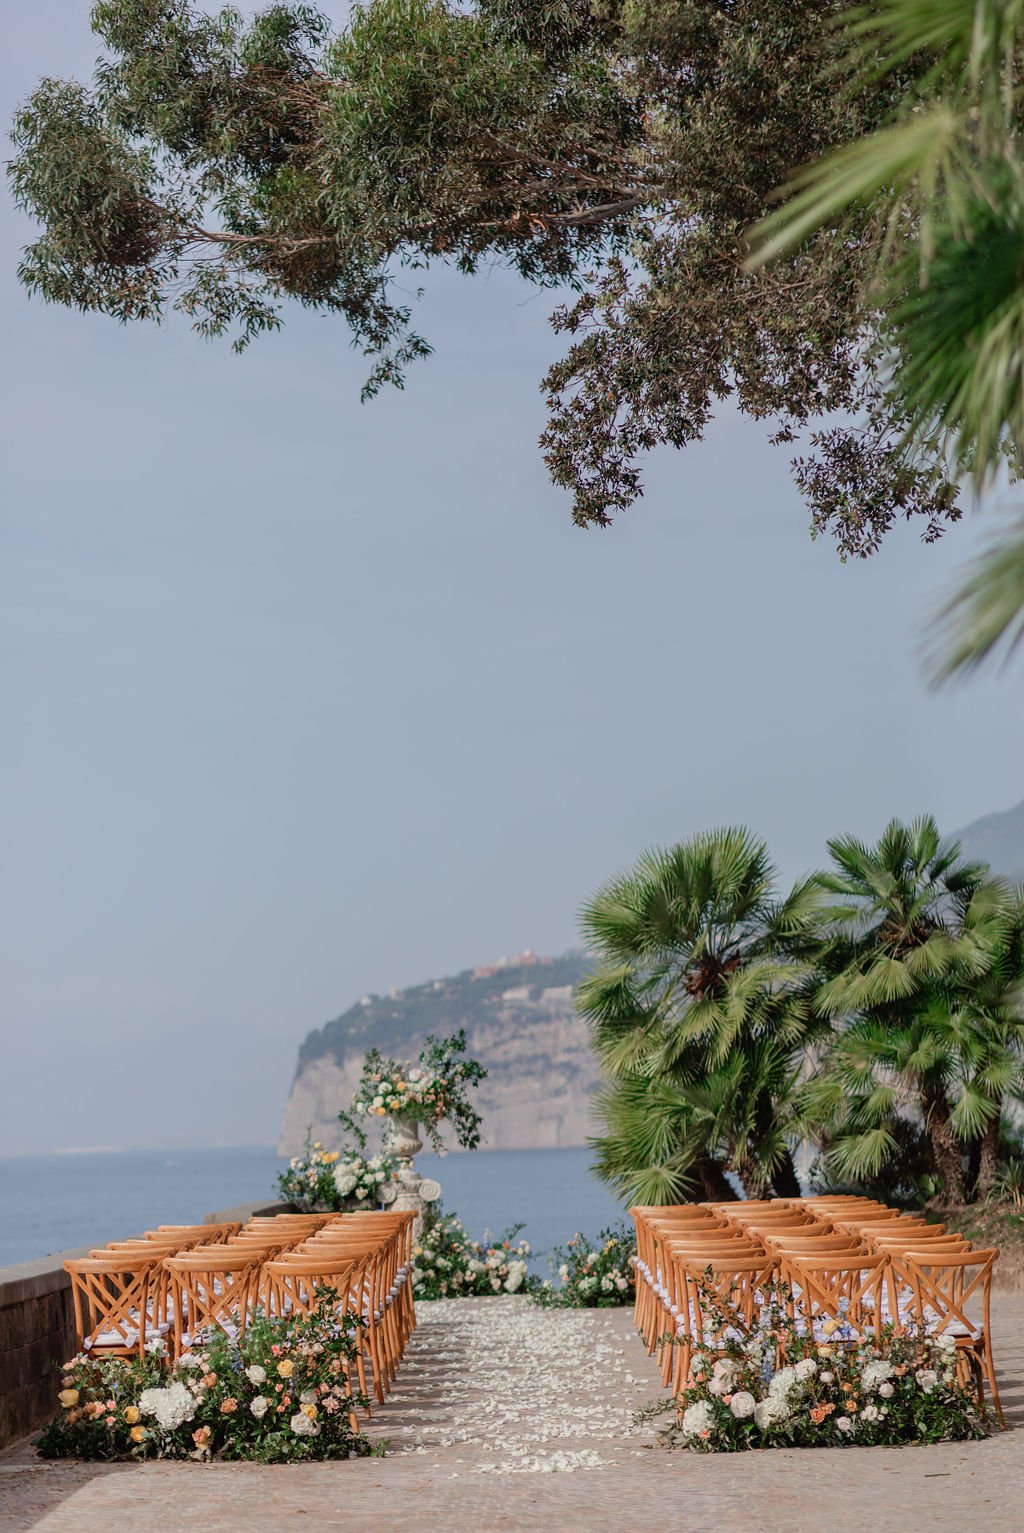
(876, 1373)
(190, 1360)
(344, 1180)
(698, 1417)
(769, 1412)
(782, 1382)
(742, 1404)
(172, 1406)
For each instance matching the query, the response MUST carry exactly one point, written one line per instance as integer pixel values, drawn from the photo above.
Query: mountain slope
(998, 839)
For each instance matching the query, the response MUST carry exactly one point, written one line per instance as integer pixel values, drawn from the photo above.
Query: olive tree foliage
(617, 149)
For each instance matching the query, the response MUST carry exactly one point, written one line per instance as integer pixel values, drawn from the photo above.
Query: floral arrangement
(782, 1389)
(448, 1264)
(593, 1276)
(277, 1395)
(430, 1092)
(334, 1179)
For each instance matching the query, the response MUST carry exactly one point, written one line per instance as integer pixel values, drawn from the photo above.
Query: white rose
(308, 1397)
(259, 1406)
(806, 1368)
(742, 1404)
(844, 1424)
(303, 1427)
(828, 1378)
(886, 1390)
(869, 1413)
(255, 1374)
(927, 1378)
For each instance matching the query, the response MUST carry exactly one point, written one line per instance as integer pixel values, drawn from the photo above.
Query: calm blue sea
(59, 1202)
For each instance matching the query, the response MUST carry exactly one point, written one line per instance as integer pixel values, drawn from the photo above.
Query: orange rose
(209, 1379)
(201, 1436)
(228, 1407)
(138, 1434)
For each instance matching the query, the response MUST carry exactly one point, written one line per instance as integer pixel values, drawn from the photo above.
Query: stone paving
(506, 1418)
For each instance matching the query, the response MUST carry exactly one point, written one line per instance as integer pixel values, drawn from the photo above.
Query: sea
(51, 1203)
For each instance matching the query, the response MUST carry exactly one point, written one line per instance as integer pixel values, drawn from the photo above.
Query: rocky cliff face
(520, 1023)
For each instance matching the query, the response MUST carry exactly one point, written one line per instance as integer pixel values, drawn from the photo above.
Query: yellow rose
(830, 1326)
(308, 1410)
(131, 1414)
(286, 1369)
(138, 1434)
(68, 1398)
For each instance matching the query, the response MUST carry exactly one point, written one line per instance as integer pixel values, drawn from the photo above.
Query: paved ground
(507, 1418)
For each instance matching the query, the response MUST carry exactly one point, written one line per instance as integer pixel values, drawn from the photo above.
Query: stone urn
(407, 1189)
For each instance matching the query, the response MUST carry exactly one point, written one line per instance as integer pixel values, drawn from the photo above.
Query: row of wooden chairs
(843, 1267)
(178, 1283)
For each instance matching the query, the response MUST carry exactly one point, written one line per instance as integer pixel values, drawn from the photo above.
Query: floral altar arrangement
(428, 1093)
(448, 1264)
(593, 1276)
(335, 1180)
(780, 1388)
(279, 1394)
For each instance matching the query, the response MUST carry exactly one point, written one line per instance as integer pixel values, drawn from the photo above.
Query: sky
(303, 699)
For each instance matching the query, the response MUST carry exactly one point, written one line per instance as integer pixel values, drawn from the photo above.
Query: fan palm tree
(700, 1012)
(943, 184)
(919, 973)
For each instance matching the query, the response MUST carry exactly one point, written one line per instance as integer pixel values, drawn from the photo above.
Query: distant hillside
(520, 1023)
(998, 839)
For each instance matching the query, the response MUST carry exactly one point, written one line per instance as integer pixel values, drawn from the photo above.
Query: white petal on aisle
(498, 1386)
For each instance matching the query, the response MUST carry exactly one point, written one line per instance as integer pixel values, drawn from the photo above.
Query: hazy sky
(304, 699)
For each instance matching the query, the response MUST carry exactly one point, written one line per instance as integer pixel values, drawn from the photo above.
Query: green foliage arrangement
(592, 1276)
(224, 166)
(280, 1394)
(448, 1264)
(337, 1180)
(877, 1010)
(783, 1389)
(431, 1092)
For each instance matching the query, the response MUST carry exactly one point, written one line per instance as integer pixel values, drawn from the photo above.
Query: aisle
(513, 1420)
(500, 1387)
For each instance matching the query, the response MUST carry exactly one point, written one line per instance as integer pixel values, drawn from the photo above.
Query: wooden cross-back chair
(112, 1295)
(203, 1232)
(942, 1286)
(292, 1287)
(674, 1297)
(726, 1299)
(654, 1267)
(210, 1288)
(385, 1333)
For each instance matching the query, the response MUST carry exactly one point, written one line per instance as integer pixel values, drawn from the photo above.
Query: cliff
(520, 1024)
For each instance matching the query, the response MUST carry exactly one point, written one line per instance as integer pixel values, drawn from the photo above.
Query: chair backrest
(942, 1286)
(840, 1289)
(211, 1288)
(289, 1286)
(726, 1296)
(111, 1293)
(826, 1245)
(202, 1232)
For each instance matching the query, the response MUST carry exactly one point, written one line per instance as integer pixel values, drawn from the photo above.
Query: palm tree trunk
(713, 1182)
(785, 1183)
(988, 1162)
(945, 1150)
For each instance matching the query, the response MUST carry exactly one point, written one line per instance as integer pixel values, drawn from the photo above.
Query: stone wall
(37, 1331)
